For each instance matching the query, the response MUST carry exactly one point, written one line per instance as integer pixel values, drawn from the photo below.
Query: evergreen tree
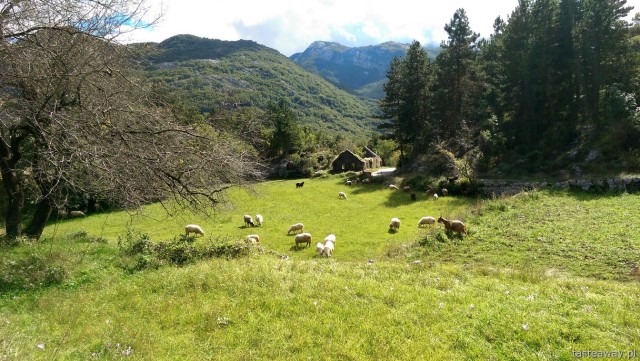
(405, 104)
(457, 81)
(286, 136)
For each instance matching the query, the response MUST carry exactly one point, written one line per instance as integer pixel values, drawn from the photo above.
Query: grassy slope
(540, 275)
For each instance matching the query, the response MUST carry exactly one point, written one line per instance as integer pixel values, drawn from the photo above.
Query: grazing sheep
(395, 223)
(248, 221)
(328, 249)
(76, 214)
(259, 219)
(430, 192)
(253, 238)
(193, 228)
(299, 185)
(426, 221)
(444, 192)
(319, 248)
(413, 196)
(435, 196)
(62, 213)
(303, 238)
(455, 225)
(342, 195)
(348, 183)
(295, 228)
(330, 238)
(393, 186)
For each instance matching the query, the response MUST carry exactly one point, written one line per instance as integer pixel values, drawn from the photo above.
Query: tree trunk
(13, 220)
(40, 218)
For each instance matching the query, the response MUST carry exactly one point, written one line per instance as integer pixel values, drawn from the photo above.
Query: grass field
(541, 276)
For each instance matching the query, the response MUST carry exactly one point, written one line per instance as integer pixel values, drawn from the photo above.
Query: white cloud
(291, 25)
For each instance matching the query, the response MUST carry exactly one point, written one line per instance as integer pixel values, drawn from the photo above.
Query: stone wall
(489, 187)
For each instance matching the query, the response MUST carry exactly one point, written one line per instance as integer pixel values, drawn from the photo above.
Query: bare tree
(74, 117)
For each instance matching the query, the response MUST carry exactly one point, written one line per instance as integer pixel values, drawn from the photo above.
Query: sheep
(259, 219)
(393, 186)
(444, 192)
(76, 214)
(395, 223)
(342, 195)
(253, 238)
(426, 221)
(454, 225)
(303, 238)
(406, 188)
(248, 221)
(299, 185)
(430, 192)
(413, 196)
(193, 228)
(348, 183)
(319, 248)
(328, 249)
(435, 196)
(295, 228)
(330, 238)
(62, 213)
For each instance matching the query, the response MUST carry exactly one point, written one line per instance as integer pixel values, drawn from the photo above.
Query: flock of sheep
(327, 247)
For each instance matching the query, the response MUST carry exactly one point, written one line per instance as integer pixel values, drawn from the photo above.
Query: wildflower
(525, 326)
(472, 306)
(40, 346)
(530, 297)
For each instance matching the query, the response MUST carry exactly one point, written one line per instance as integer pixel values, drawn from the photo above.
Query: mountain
(215, 74)
(360, 70)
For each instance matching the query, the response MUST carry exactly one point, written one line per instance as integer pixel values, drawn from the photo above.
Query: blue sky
(290, 26)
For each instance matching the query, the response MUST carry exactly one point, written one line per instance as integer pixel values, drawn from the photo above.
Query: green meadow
(543, 275)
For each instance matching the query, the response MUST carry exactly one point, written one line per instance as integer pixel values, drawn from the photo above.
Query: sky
(290, 26)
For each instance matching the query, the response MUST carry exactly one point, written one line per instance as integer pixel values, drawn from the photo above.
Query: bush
(133, 243)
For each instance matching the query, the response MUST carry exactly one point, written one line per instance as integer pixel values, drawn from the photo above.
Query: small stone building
(348, 162)
(372, 159)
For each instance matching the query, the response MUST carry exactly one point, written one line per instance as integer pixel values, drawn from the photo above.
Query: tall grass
(540, 276)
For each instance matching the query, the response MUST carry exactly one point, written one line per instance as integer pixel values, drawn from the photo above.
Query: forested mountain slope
(215, 74)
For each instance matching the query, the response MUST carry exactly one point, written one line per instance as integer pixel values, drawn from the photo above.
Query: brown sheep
(455, 225)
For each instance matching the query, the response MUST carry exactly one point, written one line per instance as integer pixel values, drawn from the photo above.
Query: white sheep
(330, 238)
(253, 238)
(395, 223)
(426, 221)
(248, 221)
(393, 186)
(320, 248)
(435, 196)
(259, 219)
(328, 249)
(303, 238)
(296, 228)
(193, 228)
(342, 195)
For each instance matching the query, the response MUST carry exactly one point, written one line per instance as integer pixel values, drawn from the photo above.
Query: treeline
(557, 82)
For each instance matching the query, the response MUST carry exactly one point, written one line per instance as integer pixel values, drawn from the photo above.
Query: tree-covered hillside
(215, 75)
(553, 92)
